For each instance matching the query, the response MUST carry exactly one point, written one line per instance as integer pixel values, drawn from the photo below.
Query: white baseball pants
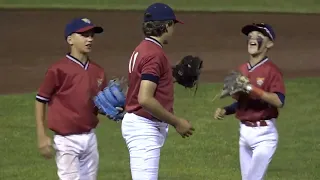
(77, 156)
(257, 146)
(144, 139)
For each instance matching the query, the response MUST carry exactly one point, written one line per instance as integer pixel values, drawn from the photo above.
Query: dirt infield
(32, 39)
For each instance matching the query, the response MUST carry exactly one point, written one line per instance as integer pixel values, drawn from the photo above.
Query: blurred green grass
(296, 6)
(211, 153)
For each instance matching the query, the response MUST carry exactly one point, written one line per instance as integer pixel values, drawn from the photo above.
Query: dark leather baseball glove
(234, 82)
(187, 71)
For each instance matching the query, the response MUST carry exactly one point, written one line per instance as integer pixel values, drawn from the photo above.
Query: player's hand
(219, 113)
(184, 128)
(45, 146)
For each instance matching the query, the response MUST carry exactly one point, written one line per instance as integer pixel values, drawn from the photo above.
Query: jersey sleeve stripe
(150, 77)
(281, 96)
(42, 99)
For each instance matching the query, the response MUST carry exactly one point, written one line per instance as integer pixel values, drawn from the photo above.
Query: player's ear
(69, 40)
(269, 44)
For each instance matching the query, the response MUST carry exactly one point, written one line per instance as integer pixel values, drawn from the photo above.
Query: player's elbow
(146, 93)
(143, 100)
(275, 102)
(279, 105)
(279, 100)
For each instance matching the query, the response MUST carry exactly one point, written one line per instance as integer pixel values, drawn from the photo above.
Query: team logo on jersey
(260, 81)
(99, 81)
(86, 20)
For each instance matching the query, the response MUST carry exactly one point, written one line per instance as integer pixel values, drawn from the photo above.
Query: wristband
(231, 109)
(255, 91)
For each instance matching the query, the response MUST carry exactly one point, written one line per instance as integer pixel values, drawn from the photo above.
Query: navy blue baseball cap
(265, 29)
(79, 25)
(160, 12)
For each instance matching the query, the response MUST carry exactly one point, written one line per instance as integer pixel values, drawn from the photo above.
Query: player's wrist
(224, 111)
(42, 136)
(255, 91)
(41, 131)
(231, 109)
(175, 121)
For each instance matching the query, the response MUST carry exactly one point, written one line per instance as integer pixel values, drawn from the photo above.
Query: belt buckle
(255, 123)
(263, 123)
(260, 123)
(251, 124)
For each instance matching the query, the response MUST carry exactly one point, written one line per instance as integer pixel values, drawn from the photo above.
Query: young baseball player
(257, 109)
(68, 89)
(149, 103)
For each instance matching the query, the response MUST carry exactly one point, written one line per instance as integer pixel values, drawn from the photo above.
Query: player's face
(257, 43)
(169, 33)
(82, 41)
(170, 30)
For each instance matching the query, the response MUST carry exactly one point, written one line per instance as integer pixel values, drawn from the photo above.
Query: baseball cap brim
(178, 21)
(96, 29)
(249, 28)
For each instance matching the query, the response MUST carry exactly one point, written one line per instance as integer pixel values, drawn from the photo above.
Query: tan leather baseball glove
(234, 82)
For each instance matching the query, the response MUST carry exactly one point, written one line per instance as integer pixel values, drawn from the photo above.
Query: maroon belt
(255, 123)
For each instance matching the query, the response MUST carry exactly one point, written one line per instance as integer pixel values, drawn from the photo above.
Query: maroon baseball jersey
(267, 76)
(69, 87)
(148, 62)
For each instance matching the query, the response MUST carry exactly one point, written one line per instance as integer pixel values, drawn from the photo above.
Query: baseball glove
(111, 100)
(187, 71)
(234, 82)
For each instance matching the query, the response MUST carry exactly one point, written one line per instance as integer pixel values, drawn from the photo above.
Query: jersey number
(132, 61)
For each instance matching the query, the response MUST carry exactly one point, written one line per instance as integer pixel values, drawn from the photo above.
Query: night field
(32, 39)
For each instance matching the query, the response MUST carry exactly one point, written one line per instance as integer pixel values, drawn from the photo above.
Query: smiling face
(82, 42)
(258, 43)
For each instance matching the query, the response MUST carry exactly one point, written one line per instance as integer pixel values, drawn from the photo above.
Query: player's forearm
(157, 110)
(40, 111)
(271, 98)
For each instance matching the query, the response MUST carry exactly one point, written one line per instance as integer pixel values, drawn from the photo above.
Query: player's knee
(261, 159)
(262, 154)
